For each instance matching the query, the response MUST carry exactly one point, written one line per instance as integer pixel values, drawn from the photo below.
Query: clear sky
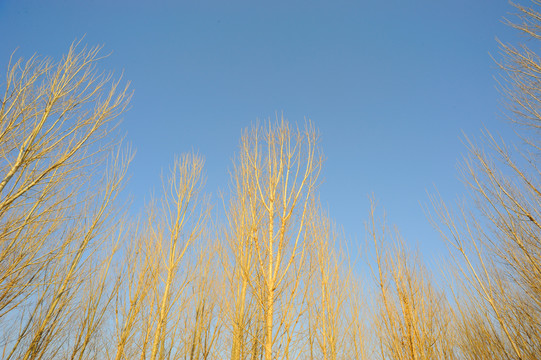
(391, 85)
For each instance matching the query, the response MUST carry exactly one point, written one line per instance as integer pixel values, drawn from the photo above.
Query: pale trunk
(270, 289)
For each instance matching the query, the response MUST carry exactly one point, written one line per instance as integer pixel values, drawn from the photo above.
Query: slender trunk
(239, 325)
(270, 287)
(163, 307)
(268, 325)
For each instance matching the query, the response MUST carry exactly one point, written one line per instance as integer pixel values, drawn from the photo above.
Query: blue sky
(391, 85)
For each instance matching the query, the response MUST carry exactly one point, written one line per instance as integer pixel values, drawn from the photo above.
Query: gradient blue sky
(391, 85)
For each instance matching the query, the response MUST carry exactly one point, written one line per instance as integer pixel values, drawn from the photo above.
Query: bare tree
(336, 328)
(496, 242)
(57, 190)
(412, 317)
(244, 215)
(153, 303)
(272, 204)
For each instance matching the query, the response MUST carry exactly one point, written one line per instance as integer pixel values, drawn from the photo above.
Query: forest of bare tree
(82, 278)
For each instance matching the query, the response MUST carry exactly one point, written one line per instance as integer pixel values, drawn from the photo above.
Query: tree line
(272, 279)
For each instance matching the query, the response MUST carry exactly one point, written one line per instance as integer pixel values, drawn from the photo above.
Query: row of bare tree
(271, 279)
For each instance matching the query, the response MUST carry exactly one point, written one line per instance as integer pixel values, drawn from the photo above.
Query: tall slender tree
(57, 191)
(272, 204)
(497, 242)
